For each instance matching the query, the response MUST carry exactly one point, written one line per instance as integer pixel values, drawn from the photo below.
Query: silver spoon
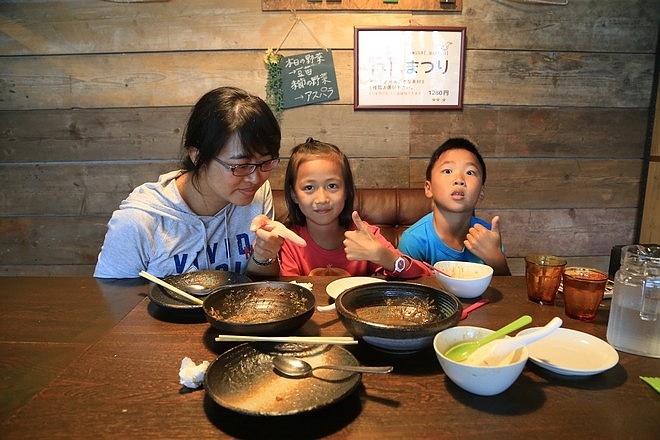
(197, 289)
(294, 367)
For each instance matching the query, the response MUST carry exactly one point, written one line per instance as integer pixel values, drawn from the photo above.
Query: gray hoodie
(154, 230)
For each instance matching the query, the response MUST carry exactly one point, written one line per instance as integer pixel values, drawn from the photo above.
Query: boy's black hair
(456, 144)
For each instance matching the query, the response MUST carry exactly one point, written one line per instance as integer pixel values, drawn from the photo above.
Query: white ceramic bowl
(467, 280)
(481, 380)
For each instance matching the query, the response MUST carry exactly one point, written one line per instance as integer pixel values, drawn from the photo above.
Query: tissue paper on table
(191, 375)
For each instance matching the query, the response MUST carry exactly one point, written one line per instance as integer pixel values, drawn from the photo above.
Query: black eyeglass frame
(249, 168)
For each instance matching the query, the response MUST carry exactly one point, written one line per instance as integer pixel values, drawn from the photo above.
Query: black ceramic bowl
(260, 308)
(199, 284)
(397, 317)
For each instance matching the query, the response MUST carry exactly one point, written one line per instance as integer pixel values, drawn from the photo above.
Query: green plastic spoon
(463, 350)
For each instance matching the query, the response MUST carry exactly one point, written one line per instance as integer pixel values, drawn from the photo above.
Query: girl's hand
(362, 245)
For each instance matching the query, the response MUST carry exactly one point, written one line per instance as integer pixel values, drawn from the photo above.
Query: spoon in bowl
(463, 350)
(198, 290)
(295, 367)
(435, 269)
(497, 351)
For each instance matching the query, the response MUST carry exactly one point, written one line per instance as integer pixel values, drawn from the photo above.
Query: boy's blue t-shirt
(421, 242)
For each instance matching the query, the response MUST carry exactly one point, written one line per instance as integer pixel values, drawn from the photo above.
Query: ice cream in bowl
(484, 380)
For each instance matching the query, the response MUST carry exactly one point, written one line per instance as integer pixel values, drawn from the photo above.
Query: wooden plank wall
(94, 95)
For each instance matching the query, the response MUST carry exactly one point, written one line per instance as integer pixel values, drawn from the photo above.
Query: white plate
(571, 352)
(335, 288)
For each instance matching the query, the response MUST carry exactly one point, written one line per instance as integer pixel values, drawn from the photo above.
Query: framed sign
(409, 67)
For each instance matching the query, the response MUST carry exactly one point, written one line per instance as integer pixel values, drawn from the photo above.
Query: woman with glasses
(199, 217)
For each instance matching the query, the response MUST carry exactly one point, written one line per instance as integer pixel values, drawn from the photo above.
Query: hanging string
(295, 22)
(322, 46)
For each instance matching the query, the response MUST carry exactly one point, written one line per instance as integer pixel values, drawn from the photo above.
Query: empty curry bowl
(259, 308)
(477, 379)
(397, 317)
(464, 279)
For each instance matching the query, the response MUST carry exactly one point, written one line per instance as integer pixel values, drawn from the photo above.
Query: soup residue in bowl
(462, 272)
(412, 312)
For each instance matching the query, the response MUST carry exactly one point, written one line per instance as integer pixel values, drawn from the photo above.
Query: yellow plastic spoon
(463, 350)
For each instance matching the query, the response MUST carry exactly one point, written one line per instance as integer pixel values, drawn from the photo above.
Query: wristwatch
(400, 265)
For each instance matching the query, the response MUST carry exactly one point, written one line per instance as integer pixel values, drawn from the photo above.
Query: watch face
(400, 264)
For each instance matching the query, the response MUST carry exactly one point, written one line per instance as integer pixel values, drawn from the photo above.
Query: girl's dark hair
(456, 144)
(221, 114)
(313, 149)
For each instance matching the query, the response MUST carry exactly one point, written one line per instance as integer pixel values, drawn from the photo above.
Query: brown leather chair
(391, 209)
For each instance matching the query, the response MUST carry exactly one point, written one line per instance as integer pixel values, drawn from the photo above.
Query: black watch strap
(267, 262)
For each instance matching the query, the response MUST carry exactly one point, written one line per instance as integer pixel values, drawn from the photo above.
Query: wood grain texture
(534, 131)
(154, 133)
(70, 26)
(126, 386)
(45, 325)
(27, 368)
(165, 78)
(365, 5)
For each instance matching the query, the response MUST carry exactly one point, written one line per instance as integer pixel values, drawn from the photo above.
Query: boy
(455, 180)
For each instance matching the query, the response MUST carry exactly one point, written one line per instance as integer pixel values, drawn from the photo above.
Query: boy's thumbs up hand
(495, 224)
(483, 242)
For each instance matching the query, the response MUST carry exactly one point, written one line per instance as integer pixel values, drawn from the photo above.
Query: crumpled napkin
(653, 381)
(191, 375)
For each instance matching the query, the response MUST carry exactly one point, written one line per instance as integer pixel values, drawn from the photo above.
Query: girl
(319, 193)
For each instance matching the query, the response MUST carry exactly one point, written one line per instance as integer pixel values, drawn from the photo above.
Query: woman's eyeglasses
(245, 169)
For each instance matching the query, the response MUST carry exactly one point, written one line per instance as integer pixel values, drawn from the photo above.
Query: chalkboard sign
(308, 78)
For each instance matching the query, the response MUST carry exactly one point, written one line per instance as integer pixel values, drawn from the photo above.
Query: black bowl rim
(446, 322)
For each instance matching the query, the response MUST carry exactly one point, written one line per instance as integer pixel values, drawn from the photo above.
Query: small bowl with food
(484, 380)
(397, 317)
(463, 279)
(260, 308)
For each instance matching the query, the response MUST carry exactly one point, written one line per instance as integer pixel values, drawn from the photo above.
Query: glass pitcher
(634, 322)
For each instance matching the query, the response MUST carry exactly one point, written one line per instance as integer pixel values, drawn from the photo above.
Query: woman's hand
(270, 235)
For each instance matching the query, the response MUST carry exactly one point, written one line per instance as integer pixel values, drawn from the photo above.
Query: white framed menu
(412, 67)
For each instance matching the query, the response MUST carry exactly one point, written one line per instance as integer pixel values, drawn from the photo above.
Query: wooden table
(84, 359)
